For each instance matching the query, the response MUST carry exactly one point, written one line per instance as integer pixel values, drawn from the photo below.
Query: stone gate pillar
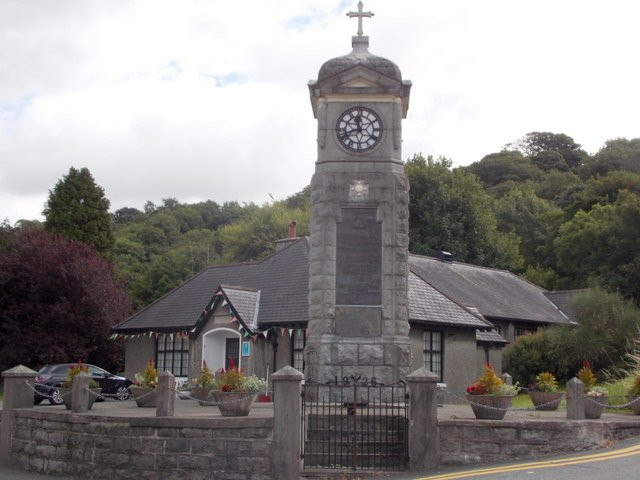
(18, 393)
(424, 440)
(80, 393)
(166, 394)
(575, 399)
(287, 410)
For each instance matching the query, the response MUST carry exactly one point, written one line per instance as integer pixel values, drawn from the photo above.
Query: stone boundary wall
(468, 442)
(142, 448)
(91, 446)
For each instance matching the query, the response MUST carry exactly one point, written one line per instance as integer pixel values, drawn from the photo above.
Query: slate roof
(274, 292)
(563, 299)
(428, 305)
(495, 293)
(245, 302)
(283, 297)
(489, 336)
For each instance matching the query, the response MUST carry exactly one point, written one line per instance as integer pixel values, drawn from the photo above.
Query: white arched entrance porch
(220, 344)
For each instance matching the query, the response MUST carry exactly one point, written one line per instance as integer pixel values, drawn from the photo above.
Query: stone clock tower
(358, 304)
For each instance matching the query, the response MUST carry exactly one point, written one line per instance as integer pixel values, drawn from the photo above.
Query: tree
(558, 187)
(58, 302)
(618, 154)
(78, 209)
(253, 236)
(603, 190)
(533, 219)
(126, 215)
(300, 199)
(550, 160)
(449, 210)
(194, 251)
(504, 166)
(536, 143)
(602, 245)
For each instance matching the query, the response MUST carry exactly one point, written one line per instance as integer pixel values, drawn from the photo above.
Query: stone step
(361, 422)
(318, 446)
(346, 460)
(360, 436)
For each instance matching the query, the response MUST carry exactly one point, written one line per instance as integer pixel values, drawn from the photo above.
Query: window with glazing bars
(432, 352)
(172, 354)
(297, 350)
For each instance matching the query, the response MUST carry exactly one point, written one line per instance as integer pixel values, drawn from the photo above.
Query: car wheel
(56, 397)
(123, 393)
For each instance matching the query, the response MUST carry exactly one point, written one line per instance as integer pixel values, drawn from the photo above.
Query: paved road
(619, 462)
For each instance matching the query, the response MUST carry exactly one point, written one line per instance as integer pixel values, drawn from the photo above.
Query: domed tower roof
(359, 73)
(359, 56)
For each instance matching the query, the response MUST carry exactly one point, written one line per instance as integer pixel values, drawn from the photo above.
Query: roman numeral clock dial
(359, 129)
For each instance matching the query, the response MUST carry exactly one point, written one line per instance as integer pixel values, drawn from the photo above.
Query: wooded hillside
(542, 207)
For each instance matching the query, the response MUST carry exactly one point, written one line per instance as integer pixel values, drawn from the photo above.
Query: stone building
(349, 300)
(460, 315)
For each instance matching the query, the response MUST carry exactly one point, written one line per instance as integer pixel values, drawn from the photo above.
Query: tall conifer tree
(78, 209)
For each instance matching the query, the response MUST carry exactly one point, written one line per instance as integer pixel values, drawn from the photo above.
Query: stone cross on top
(360, 15)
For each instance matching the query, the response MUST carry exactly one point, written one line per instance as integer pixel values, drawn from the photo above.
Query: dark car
(50, 377)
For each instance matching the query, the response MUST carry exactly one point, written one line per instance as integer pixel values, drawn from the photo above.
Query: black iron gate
(354, 423)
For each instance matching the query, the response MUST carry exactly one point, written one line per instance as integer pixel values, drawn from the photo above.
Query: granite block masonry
(358, 303)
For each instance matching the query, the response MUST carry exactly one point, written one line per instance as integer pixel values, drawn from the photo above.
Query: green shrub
(606, 325)
(527, 356)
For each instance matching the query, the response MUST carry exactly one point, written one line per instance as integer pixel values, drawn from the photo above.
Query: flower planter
(546, 401)
(636, 405)
(203, 395)
(490, 407)
(144, 396)
(594, 405)
(66, 397)
(234, 404)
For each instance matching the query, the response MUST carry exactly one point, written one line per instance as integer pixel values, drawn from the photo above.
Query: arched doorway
(219, 346)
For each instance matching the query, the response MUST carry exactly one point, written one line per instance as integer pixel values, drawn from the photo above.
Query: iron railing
(354, 423)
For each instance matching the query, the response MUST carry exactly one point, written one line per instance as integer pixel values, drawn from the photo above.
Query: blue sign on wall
(246, 349)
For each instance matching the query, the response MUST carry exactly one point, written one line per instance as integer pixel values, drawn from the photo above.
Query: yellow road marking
(594, 457)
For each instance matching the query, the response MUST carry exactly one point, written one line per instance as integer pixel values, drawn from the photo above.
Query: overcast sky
(208, 99)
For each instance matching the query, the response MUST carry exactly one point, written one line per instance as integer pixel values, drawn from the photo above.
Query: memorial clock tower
(358, 303)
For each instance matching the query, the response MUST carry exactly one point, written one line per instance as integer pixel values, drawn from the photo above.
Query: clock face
(359, 129)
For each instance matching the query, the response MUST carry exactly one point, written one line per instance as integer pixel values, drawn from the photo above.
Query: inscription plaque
(359, 258)
(358, 321)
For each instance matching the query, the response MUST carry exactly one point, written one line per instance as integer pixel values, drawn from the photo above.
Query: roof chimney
(293, 229)
(446, 257)
(292, 237)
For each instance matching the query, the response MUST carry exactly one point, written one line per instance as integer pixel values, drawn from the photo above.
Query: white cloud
(208, 99)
